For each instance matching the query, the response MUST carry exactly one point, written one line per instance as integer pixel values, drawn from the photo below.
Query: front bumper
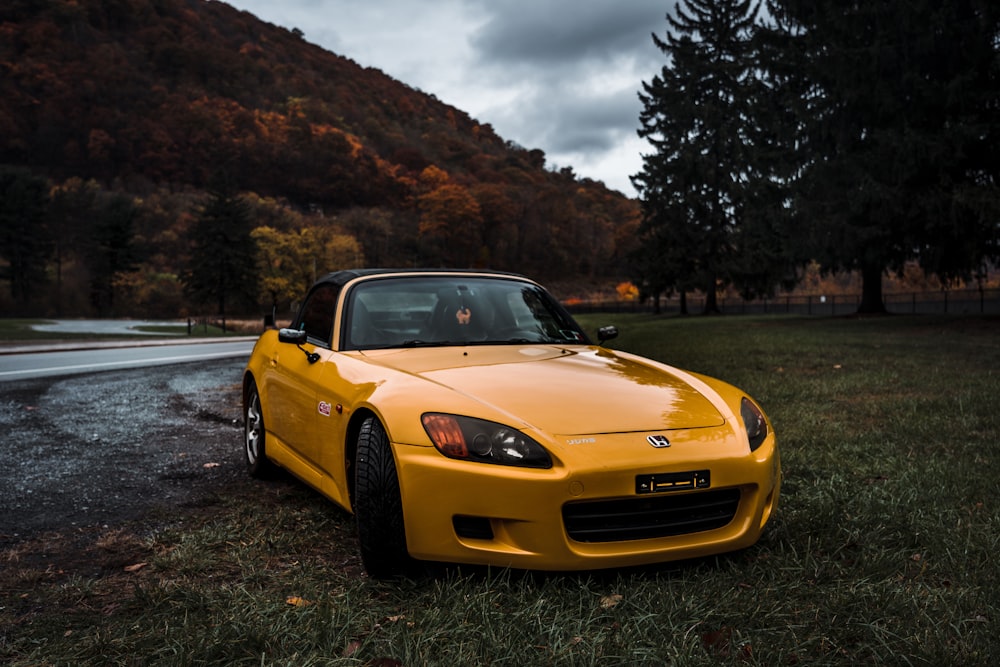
(466, 512)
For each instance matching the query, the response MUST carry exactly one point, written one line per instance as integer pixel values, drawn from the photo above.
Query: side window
(317, 314)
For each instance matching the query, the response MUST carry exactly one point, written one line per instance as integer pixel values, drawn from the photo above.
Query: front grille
(650, 517)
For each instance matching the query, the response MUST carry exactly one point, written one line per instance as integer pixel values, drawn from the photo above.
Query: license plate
(672, 481)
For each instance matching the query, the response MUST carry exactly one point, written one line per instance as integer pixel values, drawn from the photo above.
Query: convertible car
(465, 417)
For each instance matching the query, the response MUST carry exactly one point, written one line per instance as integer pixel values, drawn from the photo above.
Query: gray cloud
(578, 67)
(564, 120)
(566, 31)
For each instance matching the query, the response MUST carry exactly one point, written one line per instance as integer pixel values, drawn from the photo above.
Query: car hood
(565, 391)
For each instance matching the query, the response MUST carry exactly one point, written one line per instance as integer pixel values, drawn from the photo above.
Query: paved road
(24, 363)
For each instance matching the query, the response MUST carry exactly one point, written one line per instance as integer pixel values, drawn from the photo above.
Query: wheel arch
(248, 381)
(351, 446)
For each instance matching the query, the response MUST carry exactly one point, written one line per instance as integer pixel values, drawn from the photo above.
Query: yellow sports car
(464, 416)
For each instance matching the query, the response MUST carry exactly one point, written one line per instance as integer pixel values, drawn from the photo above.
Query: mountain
(159, 98)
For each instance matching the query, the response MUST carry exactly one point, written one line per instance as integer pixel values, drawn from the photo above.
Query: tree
(110, 250)
(451, 225)
(24, 239)
(275, 275)
(698, 187)
(71, 213)
(288, 263)
(897, 104)
(222, 265)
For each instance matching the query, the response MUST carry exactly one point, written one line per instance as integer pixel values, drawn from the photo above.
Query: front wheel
(254, 435)
(377, 504)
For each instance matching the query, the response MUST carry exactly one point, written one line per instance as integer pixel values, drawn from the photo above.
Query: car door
(294, 383)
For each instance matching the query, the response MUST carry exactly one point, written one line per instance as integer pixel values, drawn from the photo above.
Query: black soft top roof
(341, 278)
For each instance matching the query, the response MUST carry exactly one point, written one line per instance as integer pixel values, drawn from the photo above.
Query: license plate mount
(666, 482)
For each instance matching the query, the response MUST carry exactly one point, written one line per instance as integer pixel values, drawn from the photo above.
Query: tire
(255, 436)
(378, 507)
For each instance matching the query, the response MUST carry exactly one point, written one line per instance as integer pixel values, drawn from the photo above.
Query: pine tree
(897, 104)
(222, 265)
(111, 250)
(706, 191)
(24, 238)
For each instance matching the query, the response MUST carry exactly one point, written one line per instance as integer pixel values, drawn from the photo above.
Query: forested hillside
(125, 124)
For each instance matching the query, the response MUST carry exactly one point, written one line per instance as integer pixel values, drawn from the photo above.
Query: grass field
(883, 551)
(13, 330)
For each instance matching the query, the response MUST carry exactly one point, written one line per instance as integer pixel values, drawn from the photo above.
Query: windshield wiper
(507, 341)
(416, 342)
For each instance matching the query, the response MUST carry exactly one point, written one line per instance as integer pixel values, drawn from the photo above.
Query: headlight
(754, 422)
(471, 439)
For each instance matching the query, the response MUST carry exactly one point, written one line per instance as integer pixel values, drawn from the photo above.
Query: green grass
(21, 331)
(199, 330)
(883, 550)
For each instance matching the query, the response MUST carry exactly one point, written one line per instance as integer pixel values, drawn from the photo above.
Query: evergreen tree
(71, 213)
(110, 250)
(222, 266)
(706, 191)
(898, 104)
(24, 239)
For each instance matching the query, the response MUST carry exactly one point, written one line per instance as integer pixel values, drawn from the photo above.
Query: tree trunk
(684, 302)
(871, 289)
(711, 300)
(222, 310)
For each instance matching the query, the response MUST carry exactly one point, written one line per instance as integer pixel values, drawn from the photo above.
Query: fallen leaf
(136, 567)
(296, 601)
(719, 643)
(211, 465)
(352, 648)
(837, 366)
(610, 601)
(67, 633)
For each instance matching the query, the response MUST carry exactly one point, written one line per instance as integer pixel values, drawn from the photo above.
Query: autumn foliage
(148, 101)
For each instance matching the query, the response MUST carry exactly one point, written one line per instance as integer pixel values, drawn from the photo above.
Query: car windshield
(424, 311)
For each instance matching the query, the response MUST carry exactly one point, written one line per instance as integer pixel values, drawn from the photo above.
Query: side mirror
(297, 338)
(293, 336)
(607, 333)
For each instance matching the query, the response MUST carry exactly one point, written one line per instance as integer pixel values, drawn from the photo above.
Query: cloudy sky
(559, 75)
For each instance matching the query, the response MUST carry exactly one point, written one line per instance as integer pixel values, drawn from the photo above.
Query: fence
(946, 302)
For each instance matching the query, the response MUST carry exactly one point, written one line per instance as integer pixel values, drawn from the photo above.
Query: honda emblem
(658, 441)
